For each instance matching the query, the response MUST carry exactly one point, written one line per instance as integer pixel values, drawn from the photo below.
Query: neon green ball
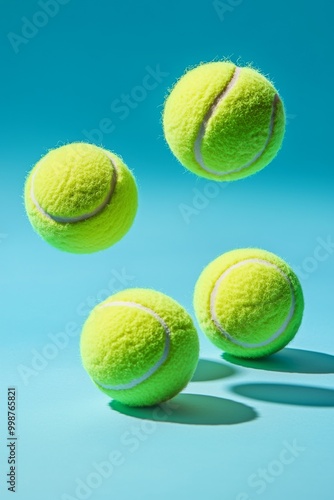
(81, 198)
(249, 303)
(223, 122)
(140, 347)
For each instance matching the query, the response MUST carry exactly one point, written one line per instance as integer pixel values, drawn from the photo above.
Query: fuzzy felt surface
(247, 122)
(244, 298)
(120, 344)
(74, 180)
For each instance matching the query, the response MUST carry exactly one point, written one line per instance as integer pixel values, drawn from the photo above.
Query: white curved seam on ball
(275, 335)
(71, 220)
(208, 116)
(153, 368)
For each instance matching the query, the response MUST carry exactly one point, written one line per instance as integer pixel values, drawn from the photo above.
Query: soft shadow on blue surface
(212, 370)
(192, 409)
(289, 360)
(287, 394)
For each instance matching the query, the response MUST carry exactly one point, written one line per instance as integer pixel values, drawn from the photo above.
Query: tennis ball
(81, 198)
(249, 303)
(140, 347)
(223, 122)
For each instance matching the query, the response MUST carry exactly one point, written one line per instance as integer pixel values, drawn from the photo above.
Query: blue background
(58, 86)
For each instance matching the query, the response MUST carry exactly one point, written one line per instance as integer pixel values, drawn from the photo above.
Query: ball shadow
(211, 370)
(192, 409)
(289, 360)
(299, 395)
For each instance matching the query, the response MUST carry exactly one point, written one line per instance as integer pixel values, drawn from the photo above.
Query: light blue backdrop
(99, 71)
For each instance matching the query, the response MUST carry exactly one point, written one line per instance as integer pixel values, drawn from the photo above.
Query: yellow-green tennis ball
(249, 303)
(81, 198)
(140, 347)
(223, 122)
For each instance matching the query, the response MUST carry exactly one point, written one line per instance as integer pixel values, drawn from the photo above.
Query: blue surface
(238, 432)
